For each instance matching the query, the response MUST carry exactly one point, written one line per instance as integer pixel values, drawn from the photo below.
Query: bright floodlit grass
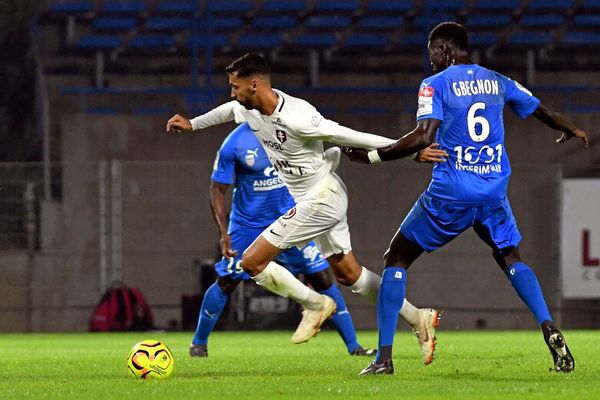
(266, 365)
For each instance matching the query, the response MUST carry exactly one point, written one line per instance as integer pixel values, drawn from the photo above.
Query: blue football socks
(342, 320)
(528, 288)
(212, 306)
(389, 303)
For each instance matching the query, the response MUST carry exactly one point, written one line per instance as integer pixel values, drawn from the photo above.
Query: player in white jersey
(292, 132)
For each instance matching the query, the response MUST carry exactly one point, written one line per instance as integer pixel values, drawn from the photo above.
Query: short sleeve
(430, 101)
(224, 166)
(519, 99)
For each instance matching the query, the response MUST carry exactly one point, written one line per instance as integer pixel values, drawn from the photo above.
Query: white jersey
(293, 139)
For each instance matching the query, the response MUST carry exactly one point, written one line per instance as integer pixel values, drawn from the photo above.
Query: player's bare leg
(258, 262)
(366, 283)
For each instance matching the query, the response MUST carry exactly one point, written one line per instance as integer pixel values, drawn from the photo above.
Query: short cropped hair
(452, 32)
(249, 65)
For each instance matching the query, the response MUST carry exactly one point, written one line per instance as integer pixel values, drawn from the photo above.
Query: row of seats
(336, 23)
(355, 41)
(299, 7)
(327, 23)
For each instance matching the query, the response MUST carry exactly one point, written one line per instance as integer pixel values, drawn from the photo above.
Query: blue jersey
(469, 101)
(259, 196)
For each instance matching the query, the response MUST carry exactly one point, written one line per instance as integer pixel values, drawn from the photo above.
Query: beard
(246, 105)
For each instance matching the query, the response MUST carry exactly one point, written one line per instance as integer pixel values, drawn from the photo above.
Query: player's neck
(268, 102)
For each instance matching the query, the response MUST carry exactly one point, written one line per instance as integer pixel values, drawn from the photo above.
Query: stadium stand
(389, 35)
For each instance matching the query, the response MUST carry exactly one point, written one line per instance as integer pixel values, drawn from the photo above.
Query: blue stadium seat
(71, 7)
(115, 24)
(98, 42)
(453, 5)
(265, 40)
(414, 39)
(282, 22)
(362, 40)
(170, 24)
(488, 22)
(152, 41)
(231, 7)
(347, 7)
(221, 23)
(389, 7)
(591, 5)
(314, 40)
(426, 22)
(290, 7)
(542, 21)
(123, 7)
(175, 7)
(587, 21)
(581, 38)
(328, 22)
(203, 41)
(558, 6)
(482, 39)
(380, 22)
(534, 39)
(495, 6)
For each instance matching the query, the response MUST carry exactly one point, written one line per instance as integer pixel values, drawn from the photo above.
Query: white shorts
(320, 217)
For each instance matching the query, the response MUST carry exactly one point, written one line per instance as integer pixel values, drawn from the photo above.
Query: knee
(227, 285)
(347, 277)
(320, 281)
(250, 263)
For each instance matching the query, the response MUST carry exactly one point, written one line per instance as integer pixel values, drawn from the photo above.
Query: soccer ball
(150, 359)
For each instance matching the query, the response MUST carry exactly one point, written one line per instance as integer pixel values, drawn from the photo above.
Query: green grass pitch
(266, 365)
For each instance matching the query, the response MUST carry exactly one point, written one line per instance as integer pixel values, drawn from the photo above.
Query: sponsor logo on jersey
(289, 214)
(425, 101)
(272, 144)
(311, 253)
(251, 156)
(272, 182)
(281, 135)
(426, 91)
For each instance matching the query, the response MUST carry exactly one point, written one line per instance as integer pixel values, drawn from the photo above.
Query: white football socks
(410, 313)
(280, 281)
(367, 285)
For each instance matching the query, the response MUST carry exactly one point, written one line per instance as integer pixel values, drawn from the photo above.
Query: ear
(444, 49)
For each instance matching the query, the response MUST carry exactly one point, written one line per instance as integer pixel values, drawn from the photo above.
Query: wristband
(374, 156)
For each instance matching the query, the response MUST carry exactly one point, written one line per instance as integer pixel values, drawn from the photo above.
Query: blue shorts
(432, 223)
(307, 260)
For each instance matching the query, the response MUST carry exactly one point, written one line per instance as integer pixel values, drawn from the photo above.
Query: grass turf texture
(266, 365)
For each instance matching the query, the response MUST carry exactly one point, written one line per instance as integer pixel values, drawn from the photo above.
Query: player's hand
(355, 154)
(431, 154)
(226, 250)
(578, 133)
(179, 123)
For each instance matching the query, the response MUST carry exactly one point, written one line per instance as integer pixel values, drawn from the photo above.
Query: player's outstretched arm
(179, 123)
(418, 139)
(556, 120)
(219, 213)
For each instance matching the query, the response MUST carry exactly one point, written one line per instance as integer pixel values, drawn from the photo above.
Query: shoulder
(298, 112)
(236, 139)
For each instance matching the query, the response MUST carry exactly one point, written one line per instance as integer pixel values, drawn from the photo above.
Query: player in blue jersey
(259, 198)
(461, 108)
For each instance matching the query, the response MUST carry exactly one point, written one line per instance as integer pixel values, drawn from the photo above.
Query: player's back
(470, 99)
(259, 195)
